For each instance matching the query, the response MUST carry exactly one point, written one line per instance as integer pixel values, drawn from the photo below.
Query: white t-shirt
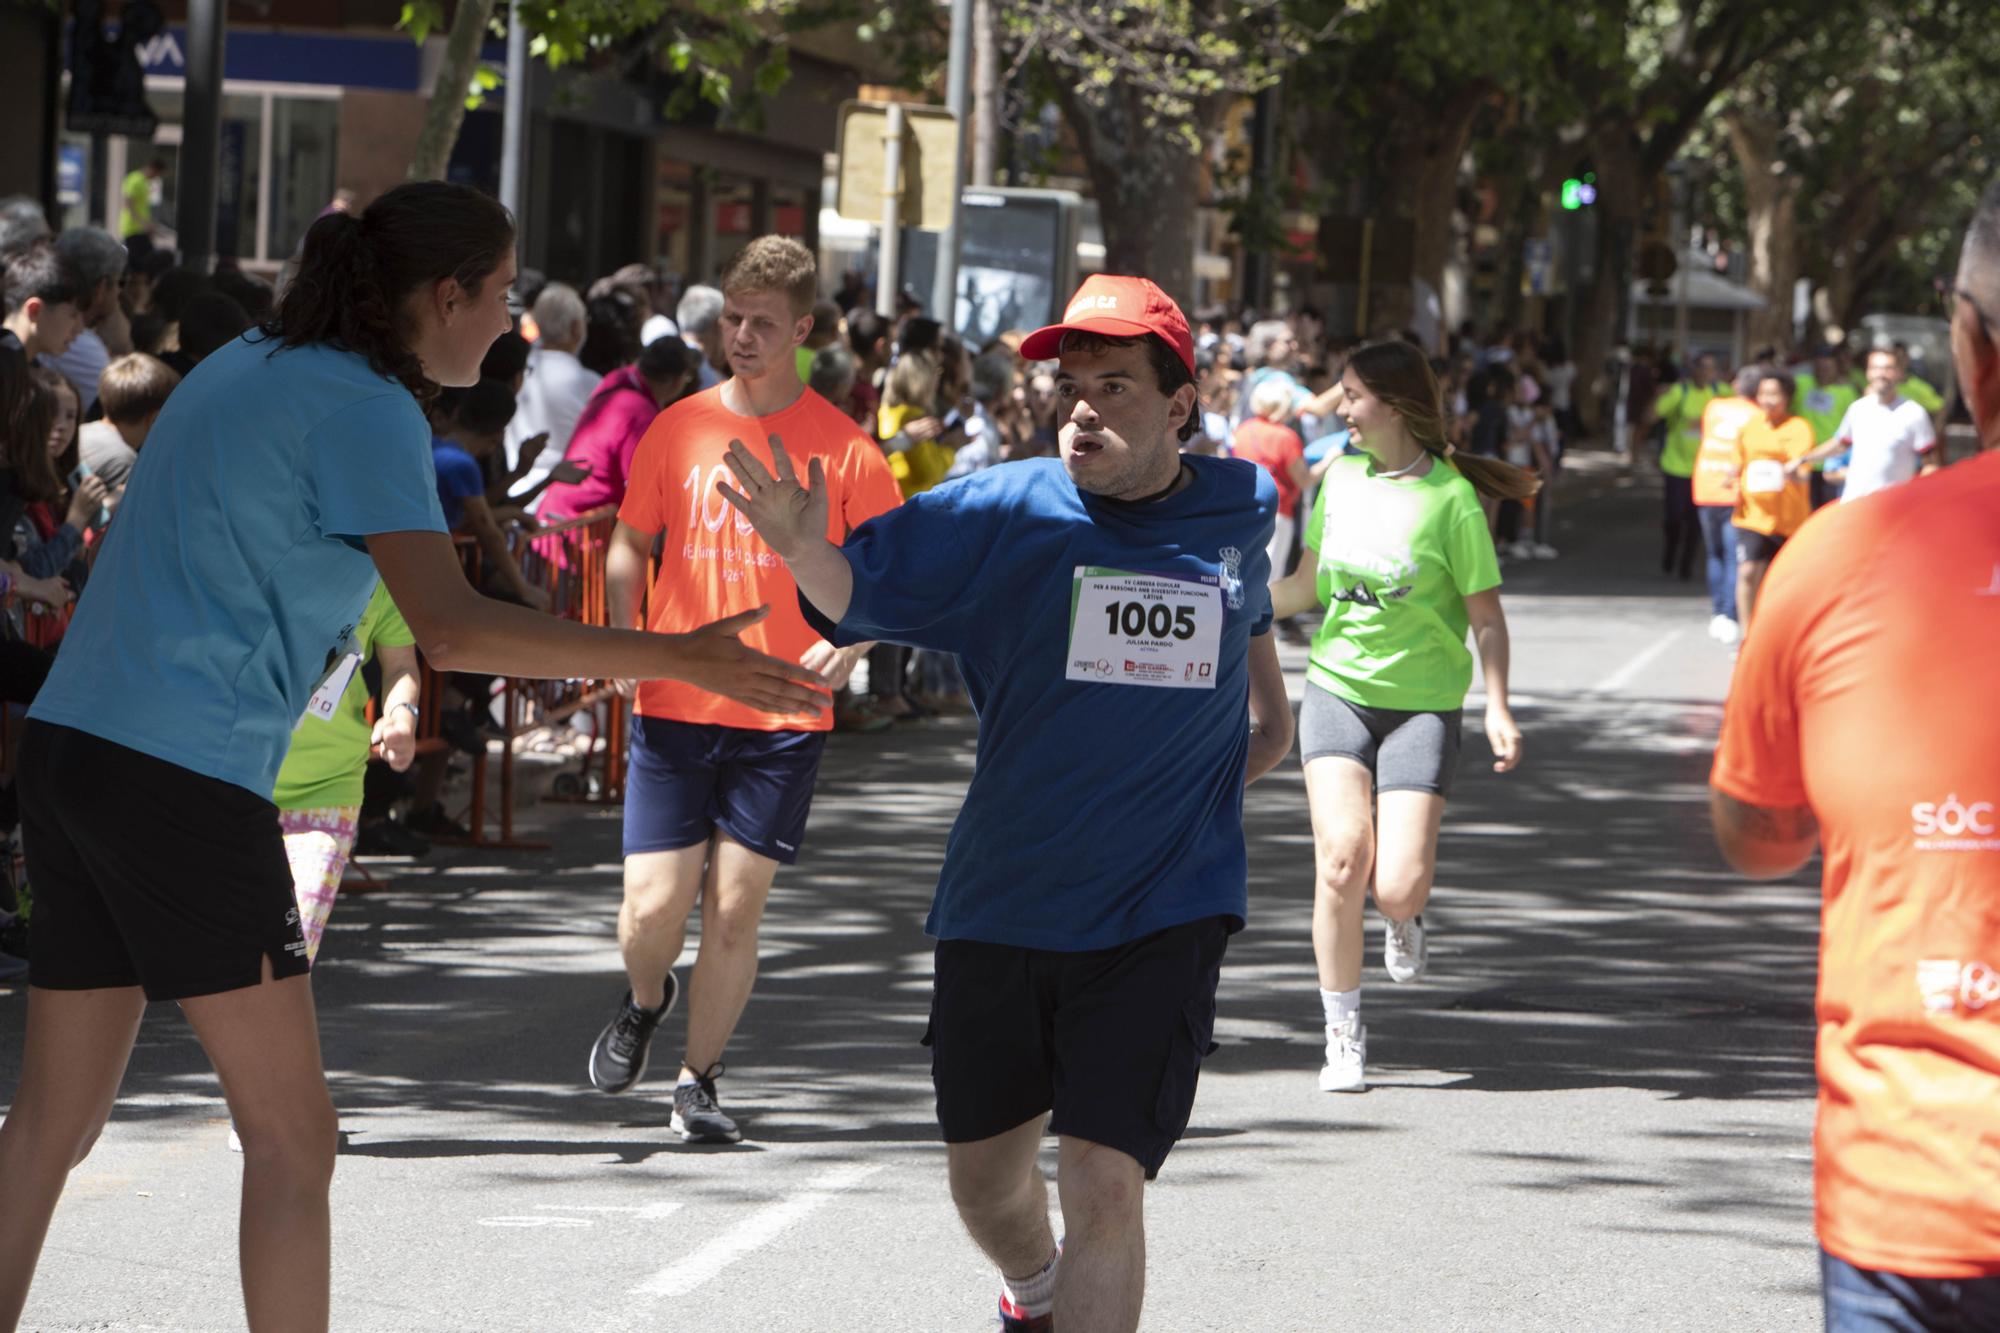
(1561, 381)
(1886, 439)
(552, 398)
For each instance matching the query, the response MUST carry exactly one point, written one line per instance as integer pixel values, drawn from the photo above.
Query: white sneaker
(1543, 551)
(1521, 550)
(1404, 952)
(1346, 1058)
(1715, 624)
(1729, 631)
(235, 1140)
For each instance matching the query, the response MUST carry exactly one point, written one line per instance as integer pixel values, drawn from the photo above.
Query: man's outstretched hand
(789, 516)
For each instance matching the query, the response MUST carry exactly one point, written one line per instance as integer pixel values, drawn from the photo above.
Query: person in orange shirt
(717, 793)
(1871, 606)
(1715, 492)
(1773, 498)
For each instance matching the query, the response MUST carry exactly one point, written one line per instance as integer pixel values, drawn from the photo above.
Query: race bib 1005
(1136, 628)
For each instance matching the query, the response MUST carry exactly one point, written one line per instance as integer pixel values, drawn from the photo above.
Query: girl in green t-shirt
(319, 788)
(1398, 552)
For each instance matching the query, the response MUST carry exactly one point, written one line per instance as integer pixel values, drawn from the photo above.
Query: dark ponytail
(356, 272)
(1401, 376)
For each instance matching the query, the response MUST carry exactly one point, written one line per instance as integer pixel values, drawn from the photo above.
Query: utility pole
(944, 288)
(888, 280)
(514, 130)
(201, 135)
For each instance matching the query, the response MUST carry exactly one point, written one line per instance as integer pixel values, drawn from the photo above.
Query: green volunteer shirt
(137, 213)
(325, 765)
(1923, 394)
(1680, 407)
(1396, 561)
(1824, 405)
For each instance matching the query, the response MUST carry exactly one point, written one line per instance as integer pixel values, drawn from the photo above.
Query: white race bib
(1766, 476)
(1135, 628)
(326, 699)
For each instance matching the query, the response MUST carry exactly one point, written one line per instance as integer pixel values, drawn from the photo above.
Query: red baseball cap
(1118, 308)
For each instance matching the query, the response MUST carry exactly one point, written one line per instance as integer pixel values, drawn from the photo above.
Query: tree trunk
(985, 94)
(1770, 196)
(1147, 183)
(1604, 314)
(1427, 171)
(446, 111)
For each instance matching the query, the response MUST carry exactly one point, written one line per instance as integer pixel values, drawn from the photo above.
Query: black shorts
(1111, 1040)
(687, 779)
(147, 874)
(1756, 545)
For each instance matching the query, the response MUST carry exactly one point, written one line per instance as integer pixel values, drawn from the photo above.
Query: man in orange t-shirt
(1872, 606)
(1715, 496)
(717, 793)
(1772, 499)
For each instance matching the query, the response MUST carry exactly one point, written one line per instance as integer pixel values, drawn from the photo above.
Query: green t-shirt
(1396, 561)
(1822, 405)
(1680, 407)
(137, 214)
(1924, 394)
(325, 765)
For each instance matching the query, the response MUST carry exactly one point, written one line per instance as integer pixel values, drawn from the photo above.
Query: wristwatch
(415, 712)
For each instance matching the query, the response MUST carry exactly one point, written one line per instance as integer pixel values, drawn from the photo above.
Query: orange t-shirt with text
(1715, 465)
(1768, 500)
(713, 564)
(1865, 691)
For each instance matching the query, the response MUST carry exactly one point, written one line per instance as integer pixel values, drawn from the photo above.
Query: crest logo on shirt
(1232, 576)
(1952, 825)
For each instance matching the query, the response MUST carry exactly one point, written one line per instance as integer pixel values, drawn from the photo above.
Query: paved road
(1595, 1115)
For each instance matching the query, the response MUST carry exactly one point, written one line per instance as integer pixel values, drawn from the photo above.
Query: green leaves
(420, 18)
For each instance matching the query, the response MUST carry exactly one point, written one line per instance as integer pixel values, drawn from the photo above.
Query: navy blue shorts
(687, 779)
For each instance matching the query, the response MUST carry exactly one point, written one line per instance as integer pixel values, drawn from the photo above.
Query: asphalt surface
(1594, 1114)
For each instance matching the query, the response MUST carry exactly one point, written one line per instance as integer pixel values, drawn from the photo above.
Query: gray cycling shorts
(1405, 751)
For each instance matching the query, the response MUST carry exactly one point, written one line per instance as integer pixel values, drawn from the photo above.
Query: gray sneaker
(697, 1117)
(1405, 951)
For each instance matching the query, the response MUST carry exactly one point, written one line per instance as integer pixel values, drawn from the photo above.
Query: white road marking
(753, 1232)
(1646, 656)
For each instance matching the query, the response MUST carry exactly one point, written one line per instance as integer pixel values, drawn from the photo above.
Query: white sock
(1340, 1005)
(1034, 1295)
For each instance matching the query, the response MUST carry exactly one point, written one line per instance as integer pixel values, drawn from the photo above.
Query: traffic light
(1579, 192)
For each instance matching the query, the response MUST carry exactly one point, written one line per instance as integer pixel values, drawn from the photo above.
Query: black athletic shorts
(147, 874)
(1111, 1040)
(1756, 545)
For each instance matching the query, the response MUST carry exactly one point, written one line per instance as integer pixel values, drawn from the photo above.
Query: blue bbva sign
(325, 59)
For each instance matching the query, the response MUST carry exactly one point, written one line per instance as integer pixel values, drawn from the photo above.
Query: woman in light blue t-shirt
(287, 473)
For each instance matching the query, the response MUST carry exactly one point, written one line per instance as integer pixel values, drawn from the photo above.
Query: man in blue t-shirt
(1110, 616)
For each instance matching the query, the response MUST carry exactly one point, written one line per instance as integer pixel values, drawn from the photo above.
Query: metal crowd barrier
(567, 561)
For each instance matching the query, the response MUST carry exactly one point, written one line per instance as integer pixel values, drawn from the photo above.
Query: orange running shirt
(713, 564)
(1770, 501)
(1866, 691)
(1715, 466)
